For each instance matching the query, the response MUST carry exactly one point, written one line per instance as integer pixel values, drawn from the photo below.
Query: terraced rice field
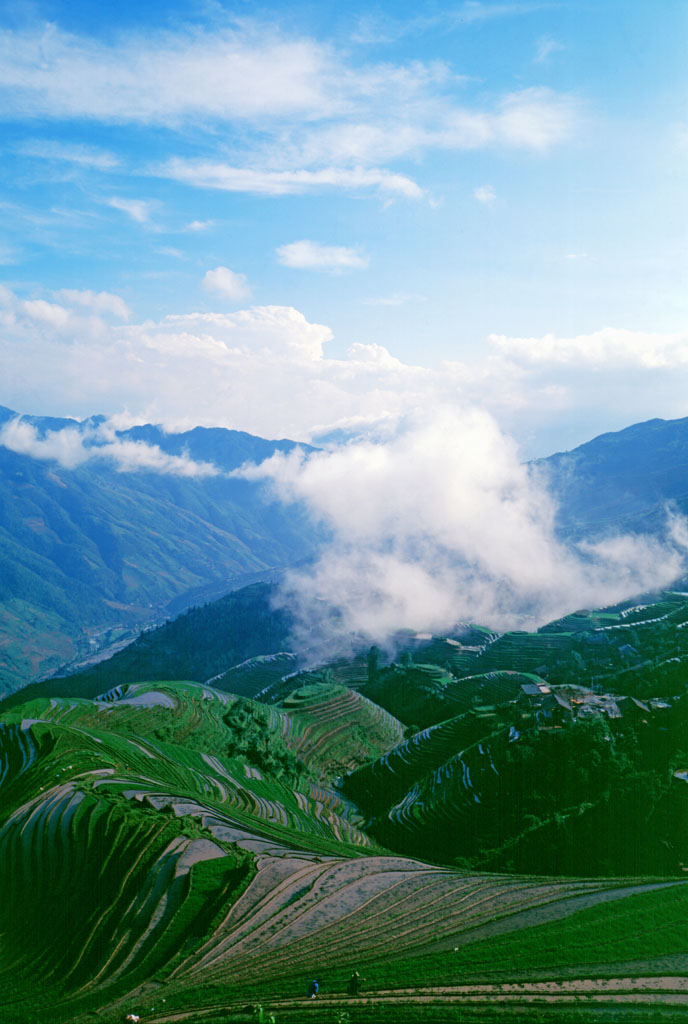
(136, 864)
(338, 730)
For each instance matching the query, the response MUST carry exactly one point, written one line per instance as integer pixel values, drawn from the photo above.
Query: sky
(318, 220)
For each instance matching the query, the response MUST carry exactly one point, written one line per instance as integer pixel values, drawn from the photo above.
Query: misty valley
(235, 757)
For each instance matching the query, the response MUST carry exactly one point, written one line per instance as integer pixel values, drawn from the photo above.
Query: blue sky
(298, 218)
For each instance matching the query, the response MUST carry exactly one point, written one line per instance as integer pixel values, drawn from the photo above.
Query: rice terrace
(179, 852)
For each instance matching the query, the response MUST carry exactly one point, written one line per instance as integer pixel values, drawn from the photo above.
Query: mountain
(621, 481)
(90, 555)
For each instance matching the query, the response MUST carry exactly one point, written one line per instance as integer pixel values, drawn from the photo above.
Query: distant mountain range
(92, 554)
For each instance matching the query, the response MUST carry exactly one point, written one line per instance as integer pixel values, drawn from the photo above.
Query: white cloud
(308, 117)
(443, 523)
(227, 283)
(162, 78)
(73, 446)
(535, 118)
(204, 174)
(267, 370)
(78, 153)
(199, 225)
(485, 194)
(99, 302)
(138, 209)
(307, 255)
(610, 348)
(169, 250)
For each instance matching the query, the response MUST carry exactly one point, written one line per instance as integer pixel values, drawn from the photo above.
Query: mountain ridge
(90, 555)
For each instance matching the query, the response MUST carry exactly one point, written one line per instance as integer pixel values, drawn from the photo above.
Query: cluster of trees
(251, 739)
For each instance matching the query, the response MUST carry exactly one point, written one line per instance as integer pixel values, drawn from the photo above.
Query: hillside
(621, 481)
(89, 555)
(240, 633)
(151, 865)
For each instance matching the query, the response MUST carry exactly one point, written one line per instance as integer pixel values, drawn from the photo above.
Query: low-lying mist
(444, 524)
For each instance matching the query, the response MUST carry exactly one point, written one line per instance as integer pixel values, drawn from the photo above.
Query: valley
(486, 825)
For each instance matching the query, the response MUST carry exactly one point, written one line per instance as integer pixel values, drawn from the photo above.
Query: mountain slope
(621, 480)
(90, 555)
(139, 852)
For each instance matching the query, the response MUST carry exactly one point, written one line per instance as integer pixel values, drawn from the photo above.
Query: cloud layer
(444, 524)
(267, 370)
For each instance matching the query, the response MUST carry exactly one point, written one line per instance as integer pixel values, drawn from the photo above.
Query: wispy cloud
(381, 28)
(545, 48)
(9, 255)
(225, 177)
(308, 116)
(227, 283)
(47, 72)
(472, 11)
(307, 255)
(77, 153)
(138, 209)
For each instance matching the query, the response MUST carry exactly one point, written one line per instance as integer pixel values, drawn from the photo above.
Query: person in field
(354, 986)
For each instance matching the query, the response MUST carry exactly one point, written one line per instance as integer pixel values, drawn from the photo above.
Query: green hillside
(90, 555)
(162, 856)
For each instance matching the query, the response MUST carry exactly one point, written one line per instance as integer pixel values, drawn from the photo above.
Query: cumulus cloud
(73, 446)
(38, 322)
(99, 302)
(267, 369)
(227, 283)
(307, 255)
(443, 524)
